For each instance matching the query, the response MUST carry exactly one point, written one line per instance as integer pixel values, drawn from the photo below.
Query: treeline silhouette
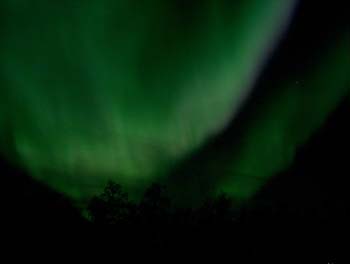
(113, 207)
(156, 221)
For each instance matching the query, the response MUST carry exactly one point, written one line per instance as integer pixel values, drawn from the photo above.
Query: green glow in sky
(97, 90)
(288, 119)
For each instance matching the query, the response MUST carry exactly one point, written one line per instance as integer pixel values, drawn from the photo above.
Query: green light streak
(106, 89)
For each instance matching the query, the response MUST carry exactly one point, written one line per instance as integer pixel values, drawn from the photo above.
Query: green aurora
(124, 90)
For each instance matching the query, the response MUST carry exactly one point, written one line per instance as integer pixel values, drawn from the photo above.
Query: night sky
(205, 96)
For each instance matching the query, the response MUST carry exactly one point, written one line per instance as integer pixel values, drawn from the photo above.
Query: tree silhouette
(111, 207)
(155, 197)
(217, 210)
(156, 209)
(155, 205)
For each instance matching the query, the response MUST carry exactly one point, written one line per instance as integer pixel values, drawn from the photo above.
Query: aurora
(99, 90)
